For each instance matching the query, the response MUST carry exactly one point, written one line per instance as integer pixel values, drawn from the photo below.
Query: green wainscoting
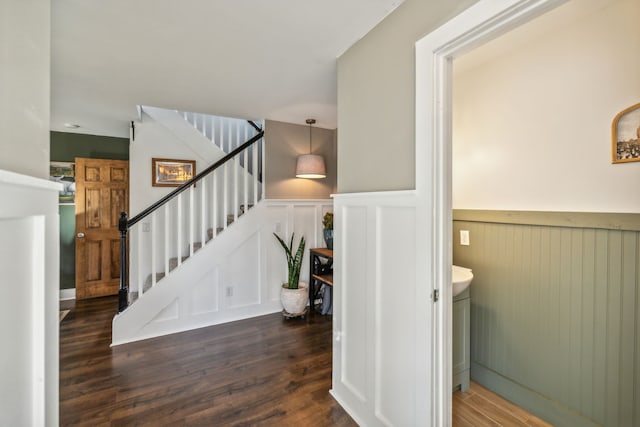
(65, 147)
(555, 311)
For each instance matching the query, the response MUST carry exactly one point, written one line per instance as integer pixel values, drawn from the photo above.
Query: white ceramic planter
(294, 301)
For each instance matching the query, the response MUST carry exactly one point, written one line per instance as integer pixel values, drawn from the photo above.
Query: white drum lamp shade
(310, 165)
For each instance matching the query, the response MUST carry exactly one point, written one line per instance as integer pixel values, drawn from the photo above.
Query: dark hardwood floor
(261, 371)
(265, 371)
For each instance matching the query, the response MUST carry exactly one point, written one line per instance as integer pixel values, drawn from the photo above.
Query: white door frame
(485, 20)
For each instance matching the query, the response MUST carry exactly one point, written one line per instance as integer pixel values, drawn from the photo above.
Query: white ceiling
(252, 59)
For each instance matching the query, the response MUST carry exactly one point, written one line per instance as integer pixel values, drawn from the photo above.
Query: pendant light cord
(310, 122)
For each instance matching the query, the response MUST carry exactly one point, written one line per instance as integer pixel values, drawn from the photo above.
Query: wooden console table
(320, 272)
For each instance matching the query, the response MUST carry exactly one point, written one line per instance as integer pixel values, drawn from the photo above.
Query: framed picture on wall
(625, 131)
(64, 173)
(171, 172)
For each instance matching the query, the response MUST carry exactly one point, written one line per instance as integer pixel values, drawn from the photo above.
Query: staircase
(183, 221)
(203, 254)
(157, 242)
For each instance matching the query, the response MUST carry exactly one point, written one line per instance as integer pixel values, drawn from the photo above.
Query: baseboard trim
(539, 405)
(67, 294)
(347, 408)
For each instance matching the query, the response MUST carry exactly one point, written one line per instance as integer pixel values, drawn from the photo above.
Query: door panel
(102, 192)
(115, 259)
(119, 198)
(92, 208)
(93, 251)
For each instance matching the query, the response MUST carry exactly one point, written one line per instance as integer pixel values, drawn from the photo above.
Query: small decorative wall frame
(65, 174)
(171, 172)
(625, 135)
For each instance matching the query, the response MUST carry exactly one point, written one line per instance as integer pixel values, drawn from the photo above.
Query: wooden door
(102, 192)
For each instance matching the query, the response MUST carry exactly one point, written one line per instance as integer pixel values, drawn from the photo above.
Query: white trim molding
(67, 294)
(480, 23)
(29, 261)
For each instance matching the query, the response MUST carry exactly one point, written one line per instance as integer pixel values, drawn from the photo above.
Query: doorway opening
(435, 53)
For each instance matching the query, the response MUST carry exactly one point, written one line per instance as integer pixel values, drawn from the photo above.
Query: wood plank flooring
(261, 371)
(265, 371)
(479, 407)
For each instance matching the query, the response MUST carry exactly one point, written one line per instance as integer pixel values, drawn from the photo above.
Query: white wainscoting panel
(170, 312)
(245, 283)
(234, 276)
(206, 294)
(29, 319)
(376, 317)
(356, 305)
(395, 295)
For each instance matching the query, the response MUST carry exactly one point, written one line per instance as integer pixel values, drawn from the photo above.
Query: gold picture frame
(171, 172)
(625, 135)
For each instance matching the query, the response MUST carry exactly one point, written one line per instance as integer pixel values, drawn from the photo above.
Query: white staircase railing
(170, 231)
(226, 133)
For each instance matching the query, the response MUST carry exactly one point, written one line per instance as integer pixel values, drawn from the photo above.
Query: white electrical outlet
(229, 291)
(146, 227)
(278, 227)
(464, 237)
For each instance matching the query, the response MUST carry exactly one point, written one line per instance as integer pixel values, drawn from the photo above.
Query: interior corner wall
(24, 85)
(532, 113)
(376, 99)
(65, 147)
(284, 142)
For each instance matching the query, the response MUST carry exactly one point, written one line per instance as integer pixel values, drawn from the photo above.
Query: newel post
(123, 292)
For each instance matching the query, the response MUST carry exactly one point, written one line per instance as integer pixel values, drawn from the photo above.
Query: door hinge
(435, 295)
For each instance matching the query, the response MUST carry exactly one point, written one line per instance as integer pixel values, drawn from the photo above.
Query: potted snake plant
(294, 293)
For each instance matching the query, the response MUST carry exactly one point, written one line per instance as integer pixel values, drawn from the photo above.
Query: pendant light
(310, 165)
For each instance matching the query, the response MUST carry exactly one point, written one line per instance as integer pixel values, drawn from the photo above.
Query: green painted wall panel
(613, 328)
(555, 312)
(65, 147)
(636, 406)
(629, 288)
(585, 392)
(600, 326)
(67, 246)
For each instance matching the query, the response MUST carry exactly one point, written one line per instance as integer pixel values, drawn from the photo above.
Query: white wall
(533, 111)
(24, 85)
(153, 140)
